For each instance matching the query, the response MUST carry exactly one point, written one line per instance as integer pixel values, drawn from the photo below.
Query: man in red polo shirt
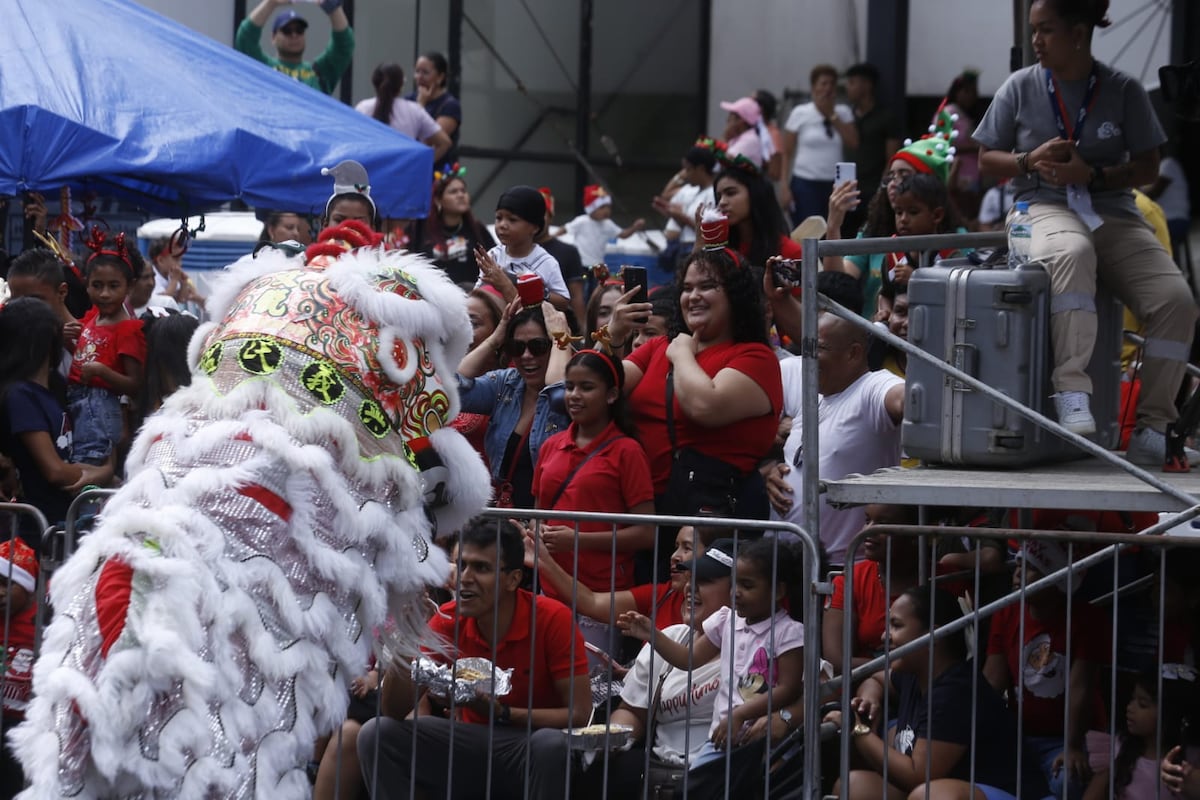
(495, 619)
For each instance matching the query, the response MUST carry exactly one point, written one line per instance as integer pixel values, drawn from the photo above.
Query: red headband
(612, 367)
(95, 243)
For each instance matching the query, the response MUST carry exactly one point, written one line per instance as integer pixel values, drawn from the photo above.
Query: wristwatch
(786, 716)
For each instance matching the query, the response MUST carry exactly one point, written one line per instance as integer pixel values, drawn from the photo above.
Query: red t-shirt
(667, 608)
(613, 482)
(18, 662)
(553, 639)
(870, 606)
(107, 344)
(1042, 659)
(741, 444)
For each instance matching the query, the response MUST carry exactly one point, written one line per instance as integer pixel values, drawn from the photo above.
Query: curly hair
(766, 217)
(743, 286)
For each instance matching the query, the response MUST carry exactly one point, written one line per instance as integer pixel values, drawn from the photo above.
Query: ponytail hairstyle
(440, 64)
(786, 559)
(610, 371)
(936, 607)
(388, 80)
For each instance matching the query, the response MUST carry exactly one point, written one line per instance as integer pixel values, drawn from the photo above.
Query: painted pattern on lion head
(277, 512)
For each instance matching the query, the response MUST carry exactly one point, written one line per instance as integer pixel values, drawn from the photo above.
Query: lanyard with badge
(1079, 199)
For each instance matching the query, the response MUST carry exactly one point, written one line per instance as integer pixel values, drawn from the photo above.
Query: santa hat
(20, 559)
(548, 196)
(595, 197)
(934, 152)
(349, 177)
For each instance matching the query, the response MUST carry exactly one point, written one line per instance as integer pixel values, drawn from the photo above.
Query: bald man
(858, 416)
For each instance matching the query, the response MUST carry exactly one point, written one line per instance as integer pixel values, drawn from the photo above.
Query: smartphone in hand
(635, 278)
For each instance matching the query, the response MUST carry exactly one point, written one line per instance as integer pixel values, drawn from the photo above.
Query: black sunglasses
(515, 348)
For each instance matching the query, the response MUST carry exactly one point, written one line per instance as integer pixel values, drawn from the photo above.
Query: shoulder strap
(671, 407)
(652, 712)
(600, 448)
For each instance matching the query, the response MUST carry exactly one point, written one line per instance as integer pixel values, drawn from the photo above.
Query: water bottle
(1020, 236)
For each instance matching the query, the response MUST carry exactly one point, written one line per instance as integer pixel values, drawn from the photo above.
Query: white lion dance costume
(276, 511)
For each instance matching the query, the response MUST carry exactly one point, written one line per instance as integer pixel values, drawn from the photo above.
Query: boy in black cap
(520, 217)
(288, 36)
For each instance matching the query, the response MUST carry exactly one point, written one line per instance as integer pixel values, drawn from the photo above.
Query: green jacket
(323, 74)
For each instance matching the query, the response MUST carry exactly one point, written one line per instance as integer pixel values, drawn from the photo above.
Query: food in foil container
(598, 737)
(462, 682)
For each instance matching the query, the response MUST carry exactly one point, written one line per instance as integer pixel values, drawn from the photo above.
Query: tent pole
(583, 99)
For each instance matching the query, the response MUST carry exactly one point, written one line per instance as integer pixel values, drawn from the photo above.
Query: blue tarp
(110, 95)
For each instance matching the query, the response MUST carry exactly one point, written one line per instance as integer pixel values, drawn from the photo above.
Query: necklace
(456, 230)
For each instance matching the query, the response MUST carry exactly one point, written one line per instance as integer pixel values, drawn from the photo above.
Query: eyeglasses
(889, 177)
(515, 348)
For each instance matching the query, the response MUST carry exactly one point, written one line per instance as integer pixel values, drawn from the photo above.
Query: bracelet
(564, 339)
(1023, 163)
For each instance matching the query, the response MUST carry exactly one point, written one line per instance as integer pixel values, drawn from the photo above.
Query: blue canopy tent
(109, 95)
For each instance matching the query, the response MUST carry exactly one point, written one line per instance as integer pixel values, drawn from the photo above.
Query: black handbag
(699, 483)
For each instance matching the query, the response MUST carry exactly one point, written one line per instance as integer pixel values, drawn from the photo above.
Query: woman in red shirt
(724, 386)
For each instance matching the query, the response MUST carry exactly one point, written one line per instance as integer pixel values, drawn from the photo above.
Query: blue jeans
(809, 198)
(97, 422)
(1048, 748)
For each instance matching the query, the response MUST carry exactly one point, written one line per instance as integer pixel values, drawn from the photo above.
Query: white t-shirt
(407, 117)
(816, 150)
(756, 651)
(689, 197)
(857, 435)
(684, 709)
(538, 261)
(1174, 198)
(591, 235)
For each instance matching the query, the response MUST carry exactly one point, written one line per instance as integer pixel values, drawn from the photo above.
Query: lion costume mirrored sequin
(277, 512)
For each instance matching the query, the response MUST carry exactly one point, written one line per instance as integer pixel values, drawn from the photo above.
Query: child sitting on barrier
(758, 643)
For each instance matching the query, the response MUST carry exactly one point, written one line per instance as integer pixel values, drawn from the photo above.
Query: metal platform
(1087, 484)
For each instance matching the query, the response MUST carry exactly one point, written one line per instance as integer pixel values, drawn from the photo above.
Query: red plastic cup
(531, 289)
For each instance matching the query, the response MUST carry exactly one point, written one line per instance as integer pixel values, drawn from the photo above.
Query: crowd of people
(582, 395)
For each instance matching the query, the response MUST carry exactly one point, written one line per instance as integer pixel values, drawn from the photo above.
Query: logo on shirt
(1108, 130)
(1045, 675)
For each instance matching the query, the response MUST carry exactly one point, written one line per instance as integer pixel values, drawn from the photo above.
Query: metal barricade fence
(1067, 579)
(517, 748)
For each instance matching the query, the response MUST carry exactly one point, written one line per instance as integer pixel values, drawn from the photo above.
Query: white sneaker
(1149, 448)
(1075, 412)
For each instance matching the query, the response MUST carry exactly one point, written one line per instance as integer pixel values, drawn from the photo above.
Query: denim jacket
(498, 394)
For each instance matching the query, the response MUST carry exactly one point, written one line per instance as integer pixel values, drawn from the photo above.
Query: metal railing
(1111, 544)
